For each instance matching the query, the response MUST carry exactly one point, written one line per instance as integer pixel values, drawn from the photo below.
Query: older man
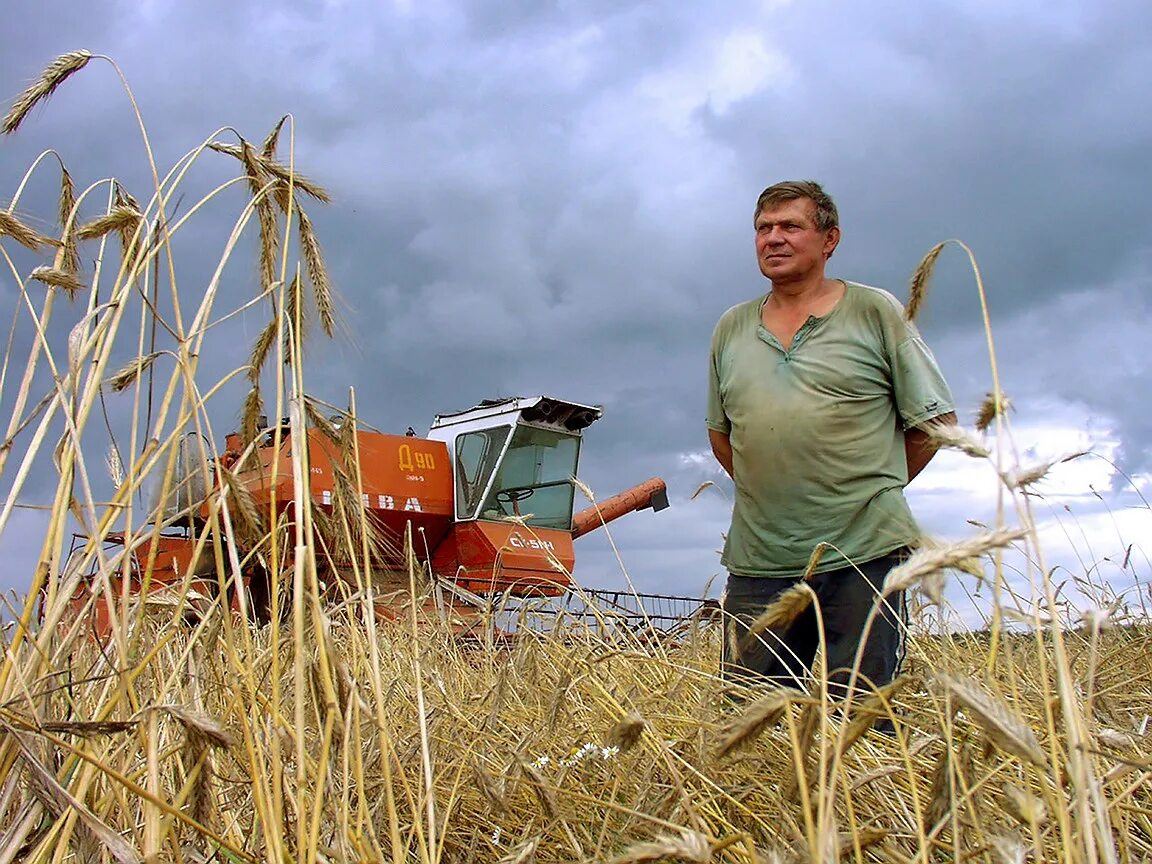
(820, 392)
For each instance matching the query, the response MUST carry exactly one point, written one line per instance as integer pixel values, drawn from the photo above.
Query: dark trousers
(783, 656)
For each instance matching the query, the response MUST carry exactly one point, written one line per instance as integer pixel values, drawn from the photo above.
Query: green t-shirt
(817, 431)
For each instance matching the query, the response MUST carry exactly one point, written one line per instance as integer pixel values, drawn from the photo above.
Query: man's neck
(802, 294)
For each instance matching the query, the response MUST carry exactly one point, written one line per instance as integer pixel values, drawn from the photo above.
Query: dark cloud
(556, 197)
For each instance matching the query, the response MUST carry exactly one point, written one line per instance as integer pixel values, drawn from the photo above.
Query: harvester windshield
(535, 478)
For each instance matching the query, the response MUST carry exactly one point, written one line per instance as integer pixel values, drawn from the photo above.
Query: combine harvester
(487, 500)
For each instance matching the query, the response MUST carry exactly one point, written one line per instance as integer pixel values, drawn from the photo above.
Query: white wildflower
(608, 752)
(496, 835)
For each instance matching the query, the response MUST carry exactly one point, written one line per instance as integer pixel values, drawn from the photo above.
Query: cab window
(476, 456)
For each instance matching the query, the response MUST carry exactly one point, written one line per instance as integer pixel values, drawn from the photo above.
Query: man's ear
(831, 241)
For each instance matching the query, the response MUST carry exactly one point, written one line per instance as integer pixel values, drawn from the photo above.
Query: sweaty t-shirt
(817, 431)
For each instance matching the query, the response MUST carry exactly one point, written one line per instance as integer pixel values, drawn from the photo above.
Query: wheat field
(332, 735)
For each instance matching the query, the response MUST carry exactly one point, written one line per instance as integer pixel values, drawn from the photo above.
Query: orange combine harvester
(488, 497)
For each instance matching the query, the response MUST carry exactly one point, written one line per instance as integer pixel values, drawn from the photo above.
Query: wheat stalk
(69, 260)
(924, 562)
(544, 795)
(65, 281)
(278, 171)
(12, 227)
(940, 799)
(1004, 728)
(317, 273)
(627, 732)
(268, 150)
(127, 375)
(57, 72)
(956, 438)
(121, 218)
(920, 279)
(1023, 806)
(1022, 478)
(991, 408)
(687, 845)
(785, 608)
(755, 719)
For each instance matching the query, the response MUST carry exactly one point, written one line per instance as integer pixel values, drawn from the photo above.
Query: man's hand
(919, 447)
(721, 449)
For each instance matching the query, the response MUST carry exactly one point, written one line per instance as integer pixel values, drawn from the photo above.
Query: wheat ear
(58, 71)
(920, 279)
(1004, 729)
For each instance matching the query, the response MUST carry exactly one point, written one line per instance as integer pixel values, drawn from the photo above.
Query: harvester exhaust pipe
(651, 493)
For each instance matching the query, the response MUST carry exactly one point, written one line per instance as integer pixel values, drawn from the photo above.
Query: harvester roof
(538, 410)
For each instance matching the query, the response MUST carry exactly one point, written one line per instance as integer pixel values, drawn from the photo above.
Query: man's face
(789, 247)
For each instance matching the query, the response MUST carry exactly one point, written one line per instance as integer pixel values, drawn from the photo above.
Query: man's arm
(721, 449)
(919, 447)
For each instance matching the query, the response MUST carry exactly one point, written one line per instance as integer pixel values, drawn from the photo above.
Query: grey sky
(556, 197)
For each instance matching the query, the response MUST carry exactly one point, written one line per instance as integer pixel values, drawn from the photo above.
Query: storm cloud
(556, 198)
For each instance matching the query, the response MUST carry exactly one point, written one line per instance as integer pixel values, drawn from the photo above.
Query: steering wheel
(509, 499)
(513, 495)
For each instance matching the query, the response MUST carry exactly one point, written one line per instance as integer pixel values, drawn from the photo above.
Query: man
(820, 393)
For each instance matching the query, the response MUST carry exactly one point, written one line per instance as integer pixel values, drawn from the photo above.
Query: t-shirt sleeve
(918, 385)
(716, 419)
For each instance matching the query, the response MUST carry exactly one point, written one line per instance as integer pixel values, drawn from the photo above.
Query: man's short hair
(791, 190)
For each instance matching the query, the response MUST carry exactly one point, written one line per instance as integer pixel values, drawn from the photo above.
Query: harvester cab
(513, 467)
